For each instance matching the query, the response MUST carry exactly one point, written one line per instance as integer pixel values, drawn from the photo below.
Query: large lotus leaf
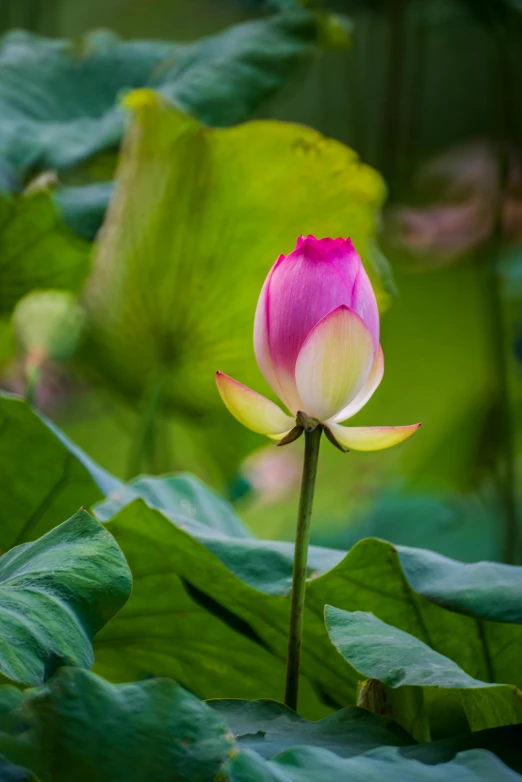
(409, 679)
(72, 110)
(80, 727)
(55, 595)
(198, 217)
(504, 742)
(311, 764)
(269, 728)
(45, 478)
(264, 565)
(36, 249)
(79, 717)
(178, 624)
(235, 589)
(179, 495)
(465, 612)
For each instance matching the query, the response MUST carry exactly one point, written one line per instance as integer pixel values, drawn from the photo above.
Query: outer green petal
(370, 438)
(253, 410)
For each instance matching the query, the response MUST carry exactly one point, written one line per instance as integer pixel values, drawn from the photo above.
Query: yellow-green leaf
(197, 220)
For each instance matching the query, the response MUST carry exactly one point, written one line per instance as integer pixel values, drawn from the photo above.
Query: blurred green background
(427, 93)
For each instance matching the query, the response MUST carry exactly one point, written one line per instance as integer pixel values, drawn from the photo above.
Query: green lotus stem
(295, 635)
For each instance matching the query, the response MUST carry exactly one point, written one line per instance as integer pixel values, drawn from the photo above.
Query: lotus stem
(295, 635)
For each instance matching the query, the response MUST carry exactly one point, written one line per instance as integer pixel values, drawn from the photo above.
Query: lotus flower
(316, 340)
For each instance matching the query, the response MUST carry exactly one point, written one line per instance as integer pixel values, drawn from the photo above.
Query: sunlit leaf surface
(198, 218)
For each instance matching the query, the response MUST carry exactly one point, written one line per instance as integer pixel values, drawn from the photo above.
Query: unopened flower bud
(316, 340)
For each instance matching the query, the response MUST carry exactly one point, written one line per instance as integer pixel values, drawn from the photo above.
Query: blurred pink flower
(463, 188)
(273, 473)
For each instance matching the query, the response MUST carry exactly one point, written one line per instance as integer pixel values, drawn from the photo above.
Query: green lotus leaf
(36, 249)
(179, 495)
(83, 206)
(201, 582)
(79, 724)
(269, 728)
(55, 595)
(45, 478)
(197, 220)
(71, 113)
(409, 679)
(310, 764)
(236, 592)
(80, 727)
(178, 624)
(503, 742)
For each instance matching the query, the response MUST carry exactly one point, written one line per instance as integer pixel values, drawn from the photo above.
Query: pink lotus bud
(316, 340)
(314, 281)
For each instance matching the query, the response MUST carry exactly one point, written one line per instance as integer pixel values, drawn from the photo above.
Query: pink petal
(364, 303)
(286, 390)
(322, 246)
